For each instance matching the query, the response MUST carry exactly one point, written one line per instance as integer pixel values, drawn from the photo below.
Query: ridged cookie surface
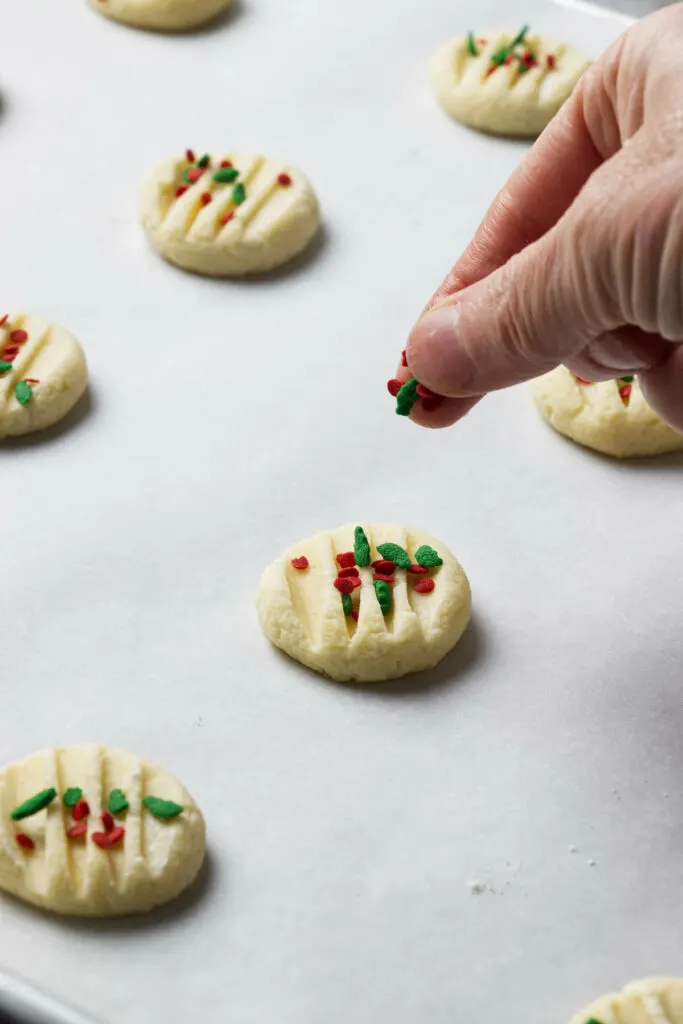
(652, 1001)
(42, 373)
(350, 620)
(597, 416)
(230, 214)
(61, 851)
(512, 93)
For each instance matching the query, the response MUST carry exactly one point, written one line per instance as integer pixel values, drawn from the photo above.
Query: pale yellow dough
(506, 102)
(50, 355)
(302, 612)
(595, 416)
(152, 864)
(163, 15)
(653, 1001)
(272, 225)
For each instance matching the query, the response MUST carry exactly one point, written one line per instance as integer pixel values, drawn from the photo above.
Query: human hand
(579, 259)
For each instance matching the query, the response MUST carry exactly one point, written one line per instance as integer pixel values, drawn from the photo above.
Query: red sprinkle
(81, 810)
(508, 60)
(346, 558)
(383, 576)
(300, 563)
(347, 584)
(189, 155)
(24, 841)
(394, 386)
(417, 570)
(76, 831)
(580, 380)
(31, 380)
(490, 70)
(625, 392)
(354, 615)
(227, 217)
(424, 586)
(205, 198)
(550, 61)
(483, 42)
(4, 319)
(180, 191)
(226, 163)
(19, 337)
(383, 565)
(430, 404)
(10, 352)
(404, 358)
(284, 179)
(349, 570)
(195, 174)
(108, 821)
(106, 839)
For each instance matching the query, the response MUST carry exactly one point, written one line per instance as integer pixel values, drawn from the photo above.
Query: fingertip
(450, 411)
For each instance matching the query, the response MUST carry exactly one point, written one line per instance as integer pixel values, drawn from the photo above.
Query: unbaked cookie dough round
(653, 1001)
(94, 831)
(504, 83)
(163, 15)
(365, 603)
(612, 417)
(228, 215)
(42, 373)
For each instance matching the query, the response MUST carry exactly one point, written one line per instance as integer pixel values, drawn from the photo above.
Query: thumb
(534, 312)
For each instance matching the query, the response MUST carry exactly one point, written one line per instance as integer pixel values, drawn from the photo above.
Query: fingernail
(434, 354)
(613, 354)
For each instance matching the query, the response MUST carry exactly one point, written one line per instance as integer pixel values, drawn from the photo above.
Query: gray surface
(229, 419)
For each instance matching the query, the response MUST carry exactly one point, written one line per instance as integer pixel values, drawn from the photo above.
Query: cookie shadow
(313, 251)
(219, 23)
(183, 907)
(85, 407)
(667, 461)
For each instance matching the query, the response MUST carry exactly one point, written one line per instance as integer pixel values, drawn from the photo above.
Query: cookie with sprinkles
(366, 602)
(43, 373)
(228, 215)
(162, 15)
(652, 1001)
(95, 831)
(611, 417)
(506, 83)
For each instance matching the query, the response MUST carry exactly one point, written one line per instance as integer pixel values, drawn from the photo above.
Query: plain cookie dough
(150, 852)
(42, 373)
(653, 1001)
(483, 83)
(164, 15)
(349, 637)
(596, 415)
(230, 215)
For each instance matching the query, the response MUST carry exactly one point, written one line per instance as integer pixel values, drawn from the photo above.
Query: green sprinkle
(471, 45)
(4, 367)
(500, 56)
(427, 557)
(627, 380)
(226, 174)
(407, 397)
(72, 796)
(522, 67)
(204, 161)
(164, 809)
(384, 596)
(519, 38)
(117, 801)
(593, 1021)
(34, 804)
(23, 392)
(347, 604)
(394, 553)
(361, 547)
(239, 194)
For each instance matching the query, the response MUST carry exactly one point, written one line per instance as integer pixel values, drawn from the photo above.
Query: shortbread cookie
(42, 373)
(653, 1001)
(611, 417)
(504, 83)
(228, 215)
(365, 603)
(95, 831)
(164, 15)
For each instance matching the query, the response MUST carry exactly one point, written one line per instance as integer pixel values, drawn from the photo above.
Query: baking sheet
(347, 826)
